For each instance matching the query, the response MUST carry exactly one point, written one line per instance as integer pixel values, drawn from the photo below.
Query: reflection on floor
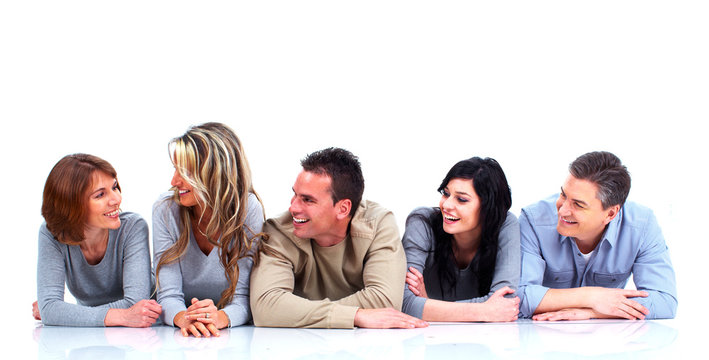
(523, 339)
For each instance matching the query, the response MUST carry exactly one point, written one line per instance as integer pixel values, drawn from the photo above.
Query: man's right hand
(387, 318)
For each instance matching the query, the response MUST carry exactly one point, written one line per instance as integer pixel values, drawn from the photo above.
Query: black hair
(491, 186)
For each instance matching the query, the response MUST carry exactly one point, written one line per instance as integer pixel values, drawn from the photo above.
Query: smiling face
(187, 195)
(315, 216)
(104, 199)
(581, 214)
(460, 206)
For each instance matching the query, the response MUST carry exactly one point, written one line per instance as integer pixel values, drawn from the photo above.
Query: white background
(410, 87)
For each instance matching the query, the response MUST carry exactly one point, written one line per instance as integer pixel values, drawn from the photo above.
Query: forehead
(580, 189)
(461, 185)
(312, 184)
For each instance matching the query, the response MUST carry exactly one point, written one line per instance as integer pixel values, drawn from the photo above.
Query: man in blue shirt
(578, 250)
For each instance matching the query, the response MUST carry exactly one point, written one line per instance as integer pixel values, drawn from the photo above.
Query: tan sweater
(300, 284)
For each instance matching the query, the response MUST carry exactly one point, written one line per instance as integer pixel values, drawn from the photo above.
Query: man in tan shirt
(331, 261)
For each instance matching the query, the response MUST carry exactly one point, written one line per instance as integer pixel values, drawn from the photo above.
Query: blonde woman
(205, 233)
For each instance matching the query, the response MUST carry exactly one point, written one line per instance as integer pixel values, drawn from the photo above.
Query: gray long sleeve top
(118, 281)
(419, 246)
(196, 275)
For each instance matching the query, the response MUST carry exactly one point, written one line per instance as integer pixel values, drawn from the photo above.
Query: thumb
(504, 291)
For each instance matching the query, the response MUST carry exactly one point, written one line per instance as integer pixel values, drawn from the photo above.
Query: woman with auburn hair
(205, 233)
(464, 256)
(101, 253)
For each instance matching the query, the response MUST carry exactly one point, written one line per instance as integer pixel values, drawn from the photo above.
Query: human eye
(116, 188)
(462, 200)
(444, 193)
(99, 195)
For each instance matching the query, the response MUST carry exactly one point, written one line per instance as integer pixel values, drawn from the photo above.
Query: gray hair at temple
(606, 171)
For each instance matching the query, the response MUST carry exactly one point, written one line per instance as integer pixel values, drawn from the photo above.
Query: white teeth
(182, 192)
(112, 213)
(450, 218)
(300, 221)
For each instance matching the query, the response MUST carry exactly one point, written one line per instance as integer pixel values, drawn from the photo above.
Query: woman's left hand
(414, 279)
(206, 312)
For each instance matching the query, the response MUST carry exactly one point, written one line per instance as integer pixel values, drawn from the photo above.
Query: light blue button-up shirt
(632, 243)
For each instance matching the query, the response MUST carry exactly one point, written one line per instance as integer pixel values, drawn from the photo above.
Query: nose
(446, 203)
(563, 207)
(294, 205)
(176, 179)
(115, 197)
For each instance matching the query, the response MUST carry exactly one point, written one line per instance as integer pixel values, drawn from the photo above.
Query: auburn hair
(65, 196)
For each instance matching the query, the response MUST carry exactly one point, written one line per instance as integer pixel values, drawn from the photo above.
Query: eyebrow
(456, 192)
(576, 200)
(303, 195)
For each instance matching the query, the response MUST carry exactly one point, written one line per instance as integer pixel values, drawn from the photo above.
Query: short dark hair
(344, 170)
(606, 171)
(65, 196)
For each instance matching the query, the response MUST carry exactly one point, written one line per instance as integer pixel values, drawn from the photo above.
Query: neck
(468, 241)
(337, 234)
(94, 237)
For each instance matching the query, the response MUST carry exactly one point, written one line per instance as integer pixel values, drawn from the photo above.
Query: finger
(184, 332)
(504, 291)
(202, 329)
(635, 293)
(638, 306)
(635, 314)
(213, 329)
(194, 331)
(414, 290)
(412, 281)
(415, 272)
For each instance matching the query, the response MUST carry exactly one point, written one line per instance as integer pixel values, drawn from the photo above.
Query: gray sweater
(119, 280)
(419, 247)
(196, 275)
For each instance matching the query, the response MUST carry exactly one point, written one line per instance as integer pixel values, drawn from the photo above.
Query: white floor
(524, 339)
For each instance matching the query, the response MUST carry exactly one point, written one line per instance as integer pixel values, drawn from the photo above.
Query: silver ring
(206, 315)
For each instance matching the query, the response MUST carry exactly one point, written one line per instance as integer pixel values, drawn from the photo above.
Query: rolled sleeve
(531, 291)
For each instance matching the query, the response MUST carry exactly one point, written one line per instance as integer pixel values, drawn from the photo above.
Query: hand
(415, 281)
(200, 319)
(206, 312)
(142, 314)
(35, 311)
(567, 314)
(616, 302)
(387, 318)
(500, 308)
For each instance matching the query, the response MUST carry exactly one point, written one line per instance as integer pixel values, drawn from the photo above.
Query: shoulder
(46, 238)
(133, 227)
(130, 219)
(541, 213)
(165, 204)
(638, 219)
(280, 230)
(254, 205)
(369, 219)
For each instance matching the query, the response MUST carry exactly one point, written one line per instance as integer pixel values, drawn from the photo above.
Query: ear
(343, 208)
(611, 213)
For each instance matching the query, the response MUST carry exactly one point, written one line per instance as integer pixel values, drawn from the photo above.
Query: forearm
(60, 313)
(437, 310)
(279, 308)
(558, 299)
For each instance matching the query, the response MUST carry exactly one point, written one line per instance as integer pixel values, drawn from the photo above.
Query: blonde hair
(210, 158)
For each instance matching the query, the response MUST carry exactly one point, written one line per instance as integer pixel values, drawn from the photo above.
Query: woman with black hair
(464, 256)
